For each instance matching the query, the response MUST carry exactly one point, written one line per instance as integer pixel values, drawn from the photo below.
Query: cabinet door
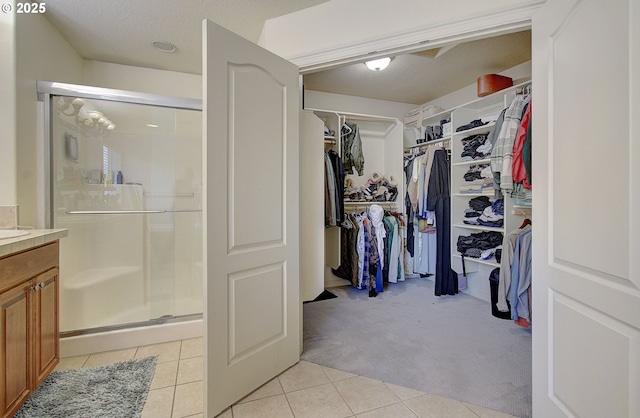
(15, 382)
(45, 324)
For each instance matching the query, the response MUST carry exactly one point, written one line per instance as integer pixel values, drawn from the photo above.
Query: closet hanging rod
(526, 89)
(352, 205)
(434, 142)
(522, 211)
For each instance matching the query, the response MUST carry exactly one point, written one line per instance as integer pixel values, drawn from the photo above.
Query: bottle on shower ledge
(107, 178)
(119, 177)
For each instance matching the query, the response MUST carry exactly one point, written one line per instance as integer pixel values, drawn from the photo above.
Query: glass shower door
(126, 183)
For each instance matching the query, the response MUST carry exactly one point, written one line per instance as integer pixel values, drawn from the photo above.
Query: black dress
(439, 200)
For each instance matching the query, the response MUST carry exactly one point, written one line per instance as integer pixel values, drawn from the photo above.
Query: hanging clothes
(508, 253)
(521, 280)
(339, 173)
(371, 249)
(394, 266)
(352, 148)
(502, 151)
(519, 169)
(421, 237)
(439, 200)
(329, 192)
(349, 259)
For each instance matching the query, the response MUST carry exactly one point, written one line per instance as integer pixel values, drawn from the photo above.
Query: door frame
(495, 23)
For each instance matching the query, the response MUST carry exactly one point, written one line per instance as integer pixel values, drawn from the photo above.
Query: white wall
(41, 54)
(519, 74)
(8, 193)
(143, 80)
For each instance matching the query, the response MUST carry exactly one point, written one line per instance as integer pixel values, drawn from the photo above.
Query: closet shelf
(477, 130)
(490, 262)
(472, 162)
(472, 194)
(479, 227)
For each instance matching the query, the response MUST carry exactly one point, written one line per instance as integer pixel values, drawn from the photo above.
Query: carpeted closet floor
(449, 346)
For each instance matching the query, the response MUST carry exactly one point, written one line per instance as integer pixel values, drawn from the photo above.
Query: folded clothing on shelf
(474, 148)
(473, 124)
(491, 215)
(478, 179)
(473, 245)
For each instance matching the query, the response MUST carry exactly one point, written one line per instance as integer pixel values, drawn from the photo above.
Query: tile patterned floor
(306, 390)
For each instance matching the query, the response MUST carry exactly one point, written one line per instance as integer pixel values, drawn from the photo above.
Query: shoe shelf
(479, 227)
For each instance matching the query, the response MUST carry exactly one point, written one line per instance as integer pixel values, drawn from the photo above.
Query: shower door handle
(112, 212)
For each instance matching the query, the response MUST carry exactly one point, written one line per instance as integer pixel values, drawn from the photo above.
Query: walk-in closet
(451, 180)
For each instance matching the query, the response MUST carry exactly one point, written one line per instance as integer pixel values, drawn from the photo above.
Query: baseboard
(129, 338)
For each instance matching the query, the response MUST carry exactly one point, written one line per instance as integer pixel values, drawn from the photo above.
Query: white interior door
(252, 311)
(586, 185)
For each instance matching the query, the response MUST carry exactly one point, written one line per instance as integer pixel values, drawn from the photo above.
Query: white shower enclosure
(125, 179)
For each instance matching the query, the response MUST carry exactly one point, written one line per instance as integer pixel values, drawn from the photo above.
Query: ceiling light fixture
(379, 64)
(164, 46)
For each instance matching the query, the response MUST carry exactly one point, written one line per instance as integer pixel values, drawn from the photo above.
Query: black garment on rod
(439, 200)
(338, 169)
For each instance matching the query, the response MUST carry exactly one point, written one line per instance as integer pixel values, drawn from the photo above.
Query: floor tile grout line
(343, 399)
(289, 405)
(335, 387)
(173, 400)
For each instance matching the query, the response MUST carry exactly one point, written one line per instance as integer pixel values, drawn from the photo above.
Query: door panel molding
(252, 309)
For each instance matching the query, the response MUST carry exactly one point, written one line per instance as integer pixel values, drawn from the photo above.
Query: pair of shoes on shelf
(380, 188)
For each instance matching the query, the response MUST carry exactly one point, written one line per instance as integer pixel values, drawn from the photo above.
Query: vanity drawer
(19, 267)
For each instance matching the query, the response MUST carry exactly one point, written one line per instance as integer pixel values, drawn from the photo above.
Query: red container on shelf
(490, 83)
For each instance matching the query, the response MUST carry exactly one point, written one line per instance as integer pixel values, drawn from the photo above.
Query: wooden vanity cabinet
(29, 330)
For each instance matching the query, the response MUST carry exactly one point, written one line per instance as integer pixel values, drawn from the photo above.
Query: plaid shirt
(502, 152)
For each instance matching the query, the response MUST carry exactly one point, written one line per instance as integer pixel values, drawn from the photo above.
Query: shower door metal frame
(47, 89)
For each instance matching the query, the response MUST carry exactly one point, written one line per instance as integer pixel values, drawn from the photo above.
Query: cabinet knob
(37, 287)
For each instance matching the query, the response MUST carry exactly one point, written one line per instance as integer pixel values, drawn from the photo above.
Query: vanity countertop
(35, 238)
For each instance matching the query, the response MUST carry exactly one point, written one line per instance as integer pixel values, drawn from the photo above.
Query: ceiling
(421, 77)
(122, 32)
